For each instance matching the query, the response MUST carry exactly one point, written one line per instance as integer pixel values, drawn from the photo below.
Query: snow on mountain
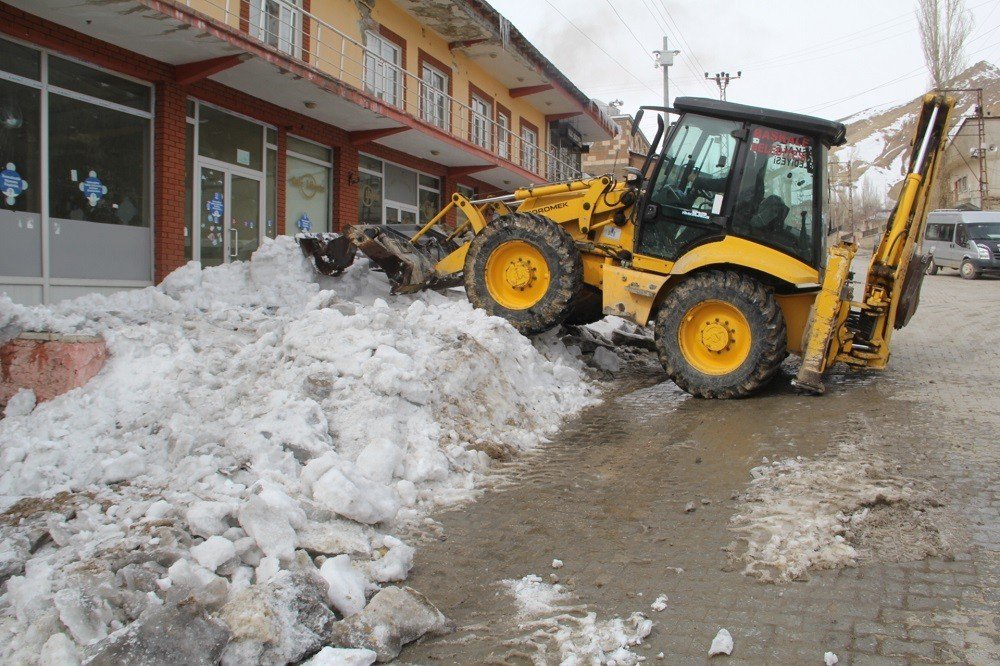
(879, 137)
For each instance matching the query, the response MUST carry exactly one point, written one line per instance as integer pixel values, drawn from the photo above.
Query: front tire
(721, 334)
(526, 269)
(968, 270)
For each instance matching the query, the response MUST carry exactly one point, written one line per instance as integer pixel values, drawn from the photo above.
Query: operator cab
(732, 169)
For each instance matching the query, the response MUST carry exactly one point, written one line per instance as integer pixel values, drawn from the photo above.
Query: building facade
(614, 154)
(961, 170)
(139, 134)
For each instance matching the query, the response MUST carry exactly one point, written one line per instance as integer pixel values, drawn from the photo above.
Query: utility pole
(722, 79)
(665, 59)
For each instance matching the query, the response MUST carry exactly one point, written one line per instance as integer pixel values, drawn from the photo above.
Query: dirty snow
(564, 631)
(248, 412)
(660, 603)
(832, 512)
(830, 659)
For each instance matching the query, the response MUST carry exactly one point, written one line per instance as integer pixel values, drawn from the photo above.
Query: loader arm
(859, 333)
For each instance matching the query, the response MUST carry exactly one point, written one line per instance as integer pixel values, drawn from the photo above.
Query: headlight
(983, 250)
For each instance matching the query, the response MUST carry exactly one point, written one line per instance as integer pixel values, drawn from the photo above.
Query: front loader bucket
(329, 253)
(407, 267)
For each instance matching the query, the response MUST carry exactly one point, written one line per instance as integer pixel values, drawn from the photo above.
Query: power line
(599, 47)
(621, 20)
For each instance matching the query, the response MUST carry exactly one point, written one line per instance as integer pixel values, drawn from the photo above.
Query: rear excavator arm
(859, 333)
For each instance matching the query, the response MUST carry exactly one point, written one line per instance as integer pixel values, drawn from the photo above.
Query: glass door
(230, 211)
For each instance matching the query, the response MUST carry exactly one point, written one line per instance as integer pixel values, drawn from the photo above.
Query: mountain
(879, 137)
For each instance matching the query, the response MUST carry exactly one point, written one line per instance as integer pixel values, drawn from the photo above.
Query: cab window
(689, 189)
(939, 232)
(774, 204)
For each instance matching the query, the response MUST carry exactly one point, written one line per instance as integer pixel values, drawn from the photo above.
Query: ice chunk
(395, 564)
(394, 617)
(557, 564)
(123, 468)
(267, 569)
(213, 551)
(20, 404)
(277, 622)
(159, 510)
(830, 659)
(353, 496)
(177, 634)
(269, 527)
(329, 656)
(660, 604)
(85, 616)
(334, 537)
(605, 359)
(59, 650)
(345, 584)
(380, 460)
(208, 518)
(721, 644)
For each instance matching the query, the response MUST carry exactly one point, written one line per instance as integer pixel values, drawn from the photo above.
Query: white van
(963, 239)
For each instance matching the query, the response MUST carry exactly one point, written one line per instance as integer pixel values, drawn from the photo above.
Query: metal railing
(328, 49)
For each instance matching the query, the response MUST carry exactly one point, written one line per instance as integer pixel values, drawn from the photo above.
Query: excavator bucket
(409, 264)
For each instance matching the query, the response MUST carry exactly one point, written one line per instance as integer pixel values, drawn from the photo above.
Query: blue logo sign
(304, 224)
(215, 207)
(11, 184)
(93, 189)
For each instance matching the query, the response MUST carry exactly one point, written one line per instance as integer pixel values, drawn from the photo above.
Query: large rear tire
(721, 334)
(526, 269)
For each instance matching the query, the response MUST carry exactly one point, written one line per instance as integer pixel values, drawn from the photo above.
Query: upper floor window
(503, 134)
(434, 96)
(277, 23)
(383, 71)
(529, 149)
(482, 130)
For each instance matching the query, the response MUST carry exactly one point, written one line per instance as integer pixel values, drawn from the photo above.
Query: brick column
(280, 179)
(170, 136)
(345, 195)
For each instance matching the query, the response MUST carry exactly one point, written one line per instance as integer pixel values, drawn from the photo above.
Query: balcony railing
(284, 26)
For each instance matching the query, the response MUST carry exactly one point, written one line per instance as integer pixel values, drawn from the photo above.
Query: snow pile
(831, 512)
(570, 634)
(252, 418)
(721, 644)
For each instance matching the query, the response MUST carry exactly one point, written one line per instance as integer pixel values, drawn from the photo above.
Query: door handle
(234, 237)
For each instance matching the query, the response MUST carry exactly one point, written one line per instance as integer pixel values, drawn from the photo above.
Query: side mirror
(636, 121)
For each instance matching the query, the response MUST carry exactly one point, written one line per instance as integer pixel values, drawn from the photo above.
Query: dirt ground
(608, 497)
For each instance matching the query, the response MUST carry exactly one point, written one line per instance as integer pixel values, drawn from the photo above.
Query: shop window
(383, 74)
(230, 139)
(370, 191)
(20, 182)
(79, 78)
(468, 193)
(188, 190)
(429, 193)
(20, 60)
(98, 163)
(270, 193)
(400, 185)
(307, 189)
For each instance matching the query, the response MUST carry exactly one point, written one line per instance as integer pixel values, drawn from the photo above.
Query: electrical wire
(599, 47)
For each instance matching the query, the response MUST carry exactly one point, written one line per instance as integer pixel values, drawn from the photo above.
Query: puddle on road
(607, 497)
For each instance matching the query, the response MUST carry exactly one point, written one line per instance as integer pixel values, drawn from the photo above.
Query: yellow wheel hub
(714, 337)
(517, 275)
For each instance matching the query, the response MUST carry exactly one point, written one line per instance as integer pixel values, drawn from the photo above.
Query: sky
(824, 58)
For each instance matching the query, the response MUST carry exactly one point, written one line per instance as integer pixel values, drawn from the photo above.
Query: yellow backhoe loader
(718, 241)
